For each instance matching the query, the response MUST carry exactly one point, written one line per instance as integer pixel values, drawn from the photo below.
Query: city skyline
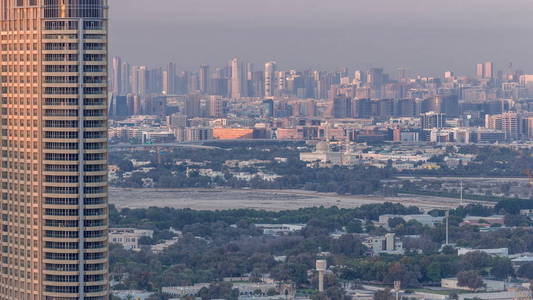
(424, 37)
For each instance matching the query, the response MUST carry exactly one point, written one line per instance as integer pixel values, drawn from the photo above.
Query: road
(455, 178)
(272, 200)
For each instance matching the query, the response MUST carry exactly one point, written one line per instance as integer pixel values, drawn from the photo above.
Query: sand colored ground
(274, 200)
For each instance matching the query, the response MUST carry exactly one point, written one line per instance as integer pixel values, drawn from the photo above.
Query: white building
(279, 229)
(490, 285)
(387, 244)
(128, 237)
(323, 157)
(428, 220)
(503, 252)
(158, 248)
(508, 295)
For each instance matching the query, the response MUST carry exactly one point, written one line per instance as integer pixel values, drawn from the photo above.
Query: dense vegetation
(211, 248)
(294, 173)
(491, 161)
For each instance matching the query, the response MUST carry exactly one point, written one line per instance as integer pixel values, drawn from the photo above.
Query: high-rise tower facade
(53, 144)
(270, 78)
(236, 82)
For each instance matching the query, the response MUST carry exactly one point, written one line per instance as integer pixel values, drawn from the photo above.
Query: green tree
(470, 279)
(501, 268)
(525, 271)
(434, 272)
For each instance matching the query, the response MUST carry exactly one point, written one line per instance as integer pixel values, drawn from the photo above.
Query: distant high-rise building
(402, 74)
(54, 122)
(448, 75)
(374, 78)
(215, 108)
(488, 70)
(117, 76)
(342, 107)
(432, 119)
(270, 78)
(281, 82)
(258, 84)
(192, 106)
(137, 105)
(359, 76)
(485, 70)
(141, 80)
(125, 78)
(165, 83)
(236, 83)
(204, 79)
(508, 122)
(171, 79)
(362, 108)
(268, 108)
(479, 71)
(449, 105)
(134, 79)
(404, 108)
(120, 107)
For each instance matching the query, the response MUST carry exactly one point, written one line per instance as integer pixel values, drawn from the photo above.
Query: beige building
(53, 105)
(387, 244)
(128, 237)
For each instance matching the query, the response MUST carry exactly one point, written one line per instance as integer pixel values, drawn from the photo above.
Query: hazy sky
(427, 36)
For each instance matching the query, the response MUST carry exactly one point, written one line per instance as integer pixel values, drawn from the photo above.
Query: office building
(268, 108)
(432, 120)
(204, 79)
(116, 79)
(215, 107)
(239, 81)
(508, 122)
(54, 150)
(485, 70)
(125, 78)
(341, 107)
(270, 80)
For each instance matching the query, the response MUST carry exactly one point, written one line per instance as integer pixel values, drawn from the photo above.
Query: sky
(425, 36)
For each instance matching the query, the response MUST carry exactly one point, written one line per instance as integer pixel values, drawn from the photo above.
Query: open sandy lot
(274, 200)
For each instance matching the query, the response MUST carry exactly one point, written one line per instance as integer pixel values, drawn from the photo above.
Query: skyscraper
(125, 77)
(117, 76)
(485, 70)
(479, 71)
(54, 149)
(488, 70)
(141, 80)
(171, 79)
(204, 79)
(270, 78)
(239, 79)
(235, 79)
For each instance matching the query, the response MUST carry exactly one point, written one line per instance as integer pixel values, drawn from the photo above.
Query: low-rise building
(428, 220)
(503, 252)
(245, 289)
(158, 248)
(507, 295)
(522, 260)
(387, 244)
(128, 237)
(132, 294)
(489, 221)
(490, 285)
(279, 229)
